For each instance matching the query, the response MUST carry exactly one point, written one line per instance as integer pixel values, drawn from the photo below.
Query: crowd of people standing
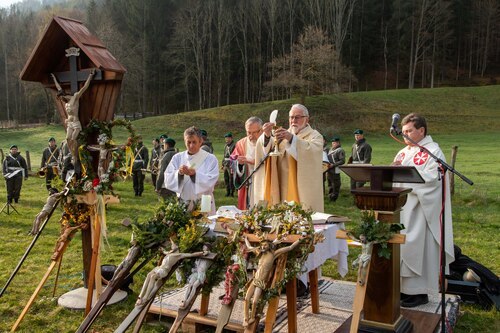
(271, 164)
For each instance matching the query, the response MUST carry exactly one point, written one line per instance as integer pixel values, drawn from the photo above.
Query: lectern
(381, 305)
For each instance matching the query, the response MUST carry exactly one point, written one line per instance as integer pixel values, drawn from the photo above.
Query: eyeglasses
(296, 117)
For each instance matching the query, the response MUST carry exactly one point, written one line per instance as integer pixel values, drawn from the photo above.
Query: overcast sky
(7, 3)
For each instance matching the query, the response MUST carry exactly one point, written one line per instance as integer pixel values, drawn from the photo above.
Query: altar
(207, 308)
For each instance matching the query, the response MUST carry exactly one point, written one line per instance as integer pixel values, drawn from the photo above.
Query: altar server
(193, 172)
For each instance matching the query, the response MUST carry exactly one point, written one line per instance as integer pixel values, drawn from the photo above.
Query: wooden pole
(454, 150)
(28, 160)
(57, 276)
(42, 282)
(93, 264)
(359, 300)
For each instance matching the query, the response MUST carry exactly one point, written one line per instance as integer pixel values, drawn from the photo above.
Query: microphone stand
(247, 179)
(257, 167)
(442, 168)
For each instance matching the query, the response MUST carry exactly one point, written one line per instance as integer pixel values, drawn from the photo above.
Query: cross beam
(73, 76)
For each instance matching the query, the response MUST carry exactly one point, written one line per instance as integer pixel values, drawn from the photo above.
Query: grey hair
(302, 108)
(192, 131)
(253, 120)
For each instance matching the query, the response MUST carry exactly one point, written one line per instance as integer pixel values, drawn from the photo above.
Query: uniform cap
(170, 141)
(358, 131)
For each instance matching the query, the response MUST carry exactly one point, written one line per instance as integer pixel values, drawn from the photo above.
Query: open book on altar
(325, 218)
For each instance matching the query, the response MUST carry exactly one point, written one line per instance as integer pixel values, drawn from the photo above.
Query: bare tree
(341, 14)
(310, 71)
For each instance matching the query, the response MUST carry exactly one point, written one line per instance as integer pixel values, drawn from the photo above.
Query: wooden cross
(74, 75)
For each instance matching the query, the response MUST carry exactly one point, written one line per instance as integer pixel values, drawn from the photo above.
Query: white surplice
(192, 188)
(421, 216)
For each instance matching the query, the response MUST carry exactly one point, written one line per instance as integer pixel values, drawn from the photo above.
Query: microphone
(394, 125)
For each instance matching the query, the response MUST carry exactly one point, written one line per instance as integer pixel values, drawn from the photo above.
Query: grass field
(466, 117)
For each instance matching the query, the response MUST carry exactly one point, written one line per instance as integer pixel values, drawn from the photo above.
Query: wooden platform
(423, 322)
(335, 311)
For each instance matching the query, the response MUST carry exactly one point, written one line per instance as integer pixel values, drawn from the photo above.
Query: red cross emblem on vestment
(420, 158)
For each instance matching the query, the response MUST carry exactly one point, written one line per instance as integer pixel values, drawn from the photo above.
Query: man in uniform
(50, 161)
(154, 162)
(361, 153)
(14, 169)
(421, 215)
(297, 174)
(193, 172)
(207, 144)
(141, 157)
(336, 157)
(226, 164)
(65, 160)
(162, 143)
(168, 152)
(243, 158)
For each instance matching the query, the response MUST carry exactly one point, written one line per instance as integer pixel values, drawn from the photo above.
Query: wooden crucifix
(73, 76)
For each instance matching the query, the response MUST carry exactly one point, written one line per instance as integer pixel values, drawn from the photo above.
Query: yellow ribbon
(84, 169)
(293, 189)
(129, 159)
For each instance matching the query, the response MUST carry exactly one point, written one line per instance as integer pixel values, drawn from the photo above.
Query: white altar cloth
(330, 248)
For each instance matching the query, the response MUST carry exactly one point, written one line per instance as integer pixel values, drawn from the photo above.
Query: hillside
(448, 110)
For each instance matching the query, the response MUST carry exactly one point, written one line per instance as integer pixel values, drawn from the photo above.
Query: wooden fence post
(454, 150)
(1, 155)
(28, 160)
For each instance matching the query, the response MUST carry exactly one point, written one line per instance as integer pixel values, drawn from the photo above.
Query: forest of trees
(185, 55)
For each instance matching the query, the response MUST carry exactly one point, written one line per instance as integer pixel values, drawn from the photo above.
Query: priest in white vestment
(297, 174)
(193, 172)
(421, 216)
(244, 161)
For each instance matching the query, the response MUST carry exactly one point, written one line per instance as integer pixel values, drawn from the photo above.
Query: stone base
(77, 299)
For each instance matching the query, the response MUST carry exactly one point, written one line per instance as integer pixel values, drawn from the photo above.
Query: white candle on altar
(206, 201)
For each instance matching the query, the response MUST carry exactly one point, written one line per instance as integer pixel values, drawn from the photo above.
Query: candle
(206, 201)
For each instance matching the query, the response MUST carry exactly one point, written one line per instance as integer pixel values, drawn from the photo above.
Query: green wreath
(118, 161)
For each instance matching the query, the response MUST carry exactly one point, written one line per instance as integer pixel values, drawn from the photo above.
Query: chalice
(272, 119)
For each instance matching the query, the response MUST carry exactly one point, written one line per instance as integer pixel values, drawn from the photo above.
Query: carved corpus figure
(262, 276)
(197, 277)
(230, 283)
(71, 105)
(154, 279)
(103, 154)
(66, 236)
(363, 258)
(52, 199)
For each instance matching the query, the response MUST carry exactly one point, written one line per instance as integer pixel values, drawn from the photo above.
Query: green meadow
(468, 118)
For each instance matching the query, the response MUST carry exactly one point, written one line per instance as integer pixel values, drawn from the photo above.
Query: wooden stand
(381, 294)
(192, 320)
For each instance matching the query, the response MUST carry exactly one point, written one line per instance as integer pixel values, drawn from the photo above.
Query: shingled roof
(60, 34)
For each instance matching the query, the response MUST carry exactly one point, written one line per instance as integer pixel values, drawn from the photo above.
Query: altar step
(336, 299)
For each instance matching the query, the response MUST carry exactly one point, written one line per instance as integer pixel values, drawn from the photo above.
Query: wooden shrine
(50, 56)
(381, 295)
(70, 52)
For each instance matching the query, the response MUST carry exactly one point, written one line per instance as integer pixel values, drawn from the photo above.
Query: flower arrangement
(74, 214)
(376, 232)
(103, 130)
(283, 219)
